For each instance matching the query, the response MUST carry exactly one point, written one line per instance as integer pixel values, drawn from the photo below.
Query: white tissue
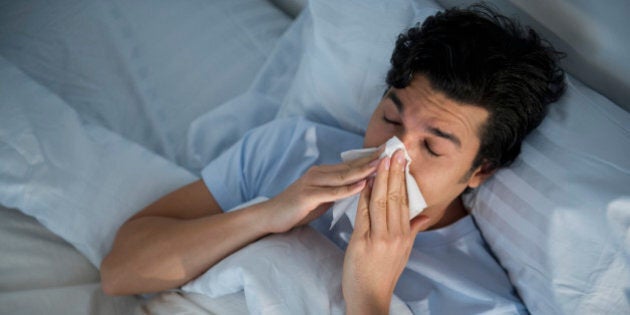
(349, 205)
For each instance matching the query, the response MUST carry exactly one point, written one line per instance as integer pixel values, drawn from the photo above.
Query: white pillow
(346, 53)
(144, 69)
(80, 181)
(258, 105)
(558, 219)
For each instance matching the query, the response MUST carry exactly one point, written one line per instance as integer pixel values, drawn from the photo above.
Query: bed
(106, 105)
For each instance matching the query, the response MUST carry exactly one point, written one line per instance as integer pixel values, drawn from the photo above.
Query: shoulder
(294, 125)
(301, 134)
(280, 129)
(279, 152)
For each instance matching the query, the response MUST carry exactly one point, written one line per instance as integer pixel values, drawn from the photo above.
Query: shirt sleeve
(252, 164)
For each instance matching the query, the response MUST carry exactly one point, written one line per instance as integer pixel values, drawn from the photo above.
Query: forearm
(360, 299)
(154, 253)
(184, 233)
(367, 306)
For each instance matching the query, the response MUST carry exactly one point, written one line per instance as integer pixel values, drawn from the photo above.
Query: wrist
(368, 307)
(362, 303)
(267, 216)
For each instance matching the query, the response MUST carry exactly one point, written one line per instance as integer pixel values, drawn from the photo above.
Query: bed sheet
(179, 303)
(143, 69)
(135, 107)
(41, 273)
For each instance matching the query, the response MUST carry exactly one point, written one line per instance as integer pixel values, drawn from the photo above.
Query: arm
(175, 239)
(381, 241)
(184, 233)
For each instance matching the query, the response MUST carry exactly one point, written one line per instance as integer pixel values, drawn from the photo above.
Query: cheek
(439, 185)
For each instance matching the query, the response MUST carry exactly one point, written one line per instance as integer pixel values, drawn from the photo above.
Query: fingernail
(386, 163)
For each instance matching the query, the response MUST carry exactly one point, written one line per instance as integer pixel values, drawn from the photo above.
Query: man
(465, 88)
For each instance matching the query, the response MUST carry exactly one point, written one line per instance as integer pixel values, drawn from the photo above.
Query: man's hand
(381, 241)
(313, 193)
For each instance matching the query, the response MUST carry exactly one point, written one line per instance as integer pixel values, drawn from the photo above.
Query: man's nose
(405, 138)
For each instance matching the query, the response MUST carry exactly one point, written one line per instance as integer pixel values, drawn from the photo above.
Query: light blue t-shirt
(450, 270)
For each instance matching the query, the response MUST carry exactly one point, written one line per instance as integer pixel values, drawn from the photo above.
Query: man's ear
(481, 174)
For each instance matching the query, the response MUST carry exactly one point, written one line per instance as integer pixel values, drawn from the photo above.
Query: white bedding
(144, 69)
(137, 77)
(40, 273)
(99, 70)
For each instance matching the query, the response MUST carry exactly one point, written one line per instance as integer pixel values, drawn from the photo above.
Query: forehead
(430, 109)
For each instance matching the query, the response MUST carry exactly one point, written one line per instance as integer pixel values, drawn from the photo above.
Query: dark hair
(479, 57)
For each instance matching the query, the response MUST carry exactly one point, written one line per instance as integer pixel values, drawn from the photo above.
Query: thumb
(419, 223)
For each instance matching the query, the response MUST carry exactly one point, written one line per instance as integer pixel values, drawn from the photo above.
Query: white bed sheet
(134, 88)
(40, 273)
(143, 69)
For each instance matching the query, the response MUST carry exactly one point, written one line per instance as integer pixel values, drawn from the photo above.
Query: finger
(367, 159)
(342, 174)
(378, 200)
(362, 219)
(397, 194)
(373, 156)
(331, 194)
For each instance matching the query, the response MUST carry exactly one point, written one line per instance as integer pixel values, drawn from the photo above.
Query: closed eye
(429, 150)
(389, 121)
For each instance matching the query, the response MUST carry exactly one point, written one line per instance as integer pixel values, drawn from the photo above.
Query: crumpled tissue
(350, 204)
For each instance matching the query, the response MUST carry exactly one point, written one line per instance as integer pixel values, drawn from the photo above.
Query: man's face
(441, 136)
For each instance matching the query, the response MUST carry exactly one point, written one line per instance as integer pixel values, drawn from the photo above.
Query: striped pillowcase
(558, 219)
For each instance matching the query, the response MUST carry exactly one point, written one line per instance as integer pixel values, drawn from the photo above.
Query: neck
(453, 212)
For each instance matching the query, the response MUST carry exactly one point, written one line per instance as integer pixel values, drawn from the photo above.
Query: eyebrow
(433, 130)
(445, 135)
(394, 98)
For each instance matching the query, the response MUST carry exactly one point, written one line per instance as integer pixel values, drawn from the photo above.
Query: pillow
(298, 272)
(257, 106)
(144, 69)
(558, 219)
(345, 59)
(80, 181)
